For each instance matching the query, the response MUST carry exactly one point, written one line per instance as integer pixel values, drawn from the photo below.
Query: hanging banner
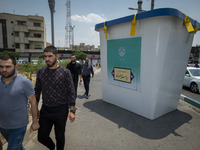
(123, 62)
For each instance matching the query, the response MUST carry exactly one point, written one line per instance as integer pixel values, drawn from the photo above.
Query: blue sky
(86, 13)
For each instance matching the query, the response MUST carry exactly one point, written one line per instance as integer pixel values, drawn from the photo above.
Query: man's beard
(53, 63)
(73, 61)
(9, 75)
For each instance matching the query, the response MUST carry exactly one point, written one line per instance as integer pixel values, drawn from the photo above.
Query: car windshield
(195, 72)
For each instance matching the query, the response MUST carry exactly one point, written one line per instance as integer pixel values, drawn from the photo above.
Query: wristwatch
(73, 111)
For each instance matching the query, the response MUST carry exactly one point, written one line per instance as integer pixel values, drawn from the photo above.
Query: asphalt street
(195, 96)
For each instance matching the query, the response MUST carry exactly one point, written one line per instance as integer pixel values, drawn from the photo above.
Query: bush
(29, 68)
(65, 62)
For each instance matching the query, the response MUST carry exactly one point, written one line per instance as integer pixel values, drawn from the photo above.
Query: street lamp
(72, 29)
(52, 6)
(139, 9)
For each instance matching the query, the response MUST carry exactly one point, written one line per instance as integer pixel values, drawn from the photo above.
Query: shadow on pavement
(150, 129)
(82, 96)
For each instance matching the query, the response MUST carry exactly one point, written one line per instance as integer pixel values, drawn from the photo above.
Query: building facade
(81, 47)
(24, 34)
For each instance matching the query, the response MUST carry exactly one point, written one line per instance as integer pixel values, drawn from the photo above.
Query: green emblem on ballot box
(123, 62)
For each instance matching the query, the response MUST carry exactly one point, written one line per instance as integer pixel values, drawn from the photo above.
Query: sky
(85, 14)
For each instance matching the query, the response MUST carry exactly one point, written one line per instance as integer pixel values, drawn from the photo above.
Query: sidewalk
(102, 126)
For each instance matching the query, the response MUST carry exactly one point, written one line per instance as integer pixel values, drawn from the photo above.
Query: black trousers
(75, 87)
(86, 81)
(56, 116)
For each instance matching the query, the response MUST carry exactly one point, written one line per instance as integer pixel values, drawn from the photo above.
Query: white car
(34, 62)
(192, 79)
(21, 62)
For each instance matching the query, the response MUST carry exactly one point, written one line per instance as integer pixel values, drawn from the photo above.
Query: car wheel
(194, 88)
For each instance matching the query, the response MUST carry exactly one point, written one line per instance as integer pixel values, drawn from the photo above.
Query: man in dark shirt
(75, 69)
(56, 85)
(86, 71)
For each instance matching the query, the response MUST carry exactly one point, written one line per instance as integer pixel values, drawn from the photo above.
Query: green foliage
(80, 55)
(65, 62)
(41, 56)
(15, 54)
(40, 63)
(29, 68)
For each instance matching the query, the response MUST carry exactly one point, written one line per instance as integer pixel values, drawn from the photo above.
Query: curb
(190, 101)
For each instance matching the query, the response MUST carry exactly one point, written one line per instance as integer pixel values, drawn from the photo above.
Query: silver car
(192, 79)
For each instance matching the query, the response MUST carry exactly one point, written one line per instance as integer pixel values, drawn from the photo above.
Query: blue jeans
(14, 137)
(86, 81)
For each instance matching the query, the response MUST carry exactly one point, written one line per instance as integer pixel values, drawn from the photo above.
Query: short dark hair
(73, 55)
(6, 57)
(51, 49)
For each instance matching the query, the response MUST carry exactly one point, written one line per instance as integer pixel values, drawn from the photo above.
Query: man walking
(75, 69)
(15, 91)
(56, 85)
(87, 70)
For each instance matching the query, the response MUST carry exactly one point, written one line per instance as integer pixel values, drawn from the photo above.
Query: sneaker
(86, 97)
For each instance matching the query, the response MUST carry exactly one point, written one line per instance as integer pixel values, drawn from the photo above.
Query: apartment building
(83, 47)
(24, 34)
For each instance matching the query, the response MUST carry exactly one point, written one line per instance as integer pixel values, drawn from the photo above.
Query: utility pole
(139, 6)
(152, 4)
(52, 6)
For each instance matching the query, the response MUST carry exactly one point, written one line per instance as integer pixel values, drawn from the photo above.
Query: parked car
(21, 62)
(34, 62)
(190, 65)
(192, 79)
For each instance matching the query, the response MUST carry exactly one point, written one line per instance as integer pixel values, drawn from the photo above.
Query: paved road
(195, 96)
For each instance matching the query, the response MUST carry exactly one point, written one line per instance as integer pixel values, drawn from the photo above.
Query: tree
(41, 56)
(80, 55)
(6, 52)
(65, 62)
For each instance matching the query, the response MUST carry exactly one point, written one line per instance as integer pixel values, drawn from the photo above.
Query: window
(37, 35)
(195, 72)
(26, 34)
(17, 34)
(36, 24)
(21, 23)
(17, 45)
(27, 46)
(37, 46)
